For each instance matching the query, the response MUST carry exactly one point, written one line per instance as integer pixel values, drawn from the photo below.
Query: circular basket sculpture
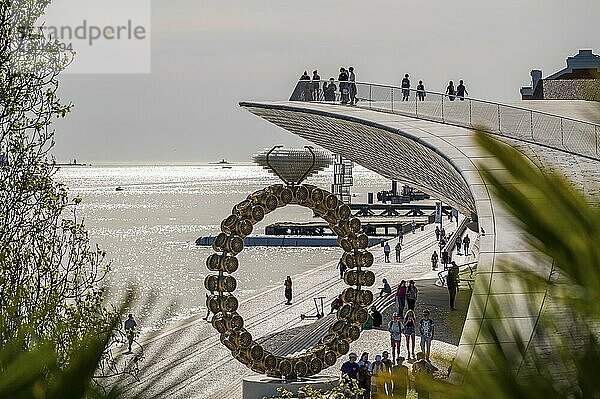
(224, 305)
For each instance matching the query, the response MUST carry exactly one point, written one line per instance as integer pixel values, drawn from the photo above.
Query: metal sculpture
(230, 242)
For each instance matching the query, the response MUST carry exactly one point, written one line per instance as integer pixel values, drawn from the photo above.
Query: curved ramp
(444, 161)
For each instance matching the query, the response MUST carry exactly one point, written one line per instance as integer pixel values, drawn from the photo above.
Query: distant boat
(221, 162)
(225, 167)
(119, 188)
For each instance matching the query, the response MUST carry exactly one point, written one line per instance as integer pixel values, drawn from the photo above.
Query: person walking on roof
(411, 294)
(398, 249)
(386, 252)
(452, 281)
(451, 91)
(352, 86)
(421, 91)
(461, 90)
(405, 88)
(401, 297)
(395, 327)
(288, 290)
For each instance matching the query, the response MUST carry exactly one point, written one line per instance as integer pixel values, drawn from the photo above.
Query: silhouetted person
(377, 317)
(452, 281)
(445, 258)
(400, 379)
(451, 91)
(336, 304)
(316, 83)
(386, 289)
(434, 260)
(129, 327)
(329, 91)
(421, 91)
(466, 242)
(344, 89)
(461, 90)
(352, 86)
(342, 268)
(288, 290)
(405, 88)
(386, 252)
(305, 86)
(411, 294)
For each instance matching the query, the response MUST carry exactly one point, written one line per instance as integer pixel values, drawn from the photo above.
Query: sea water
(149, 228)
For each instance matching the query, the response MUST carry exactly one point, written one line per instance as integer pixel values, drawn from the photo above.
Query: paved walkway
(187, 359)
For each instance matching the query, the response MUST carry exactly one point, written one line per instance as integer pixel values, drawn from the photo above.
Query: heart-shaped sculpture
(293, 165)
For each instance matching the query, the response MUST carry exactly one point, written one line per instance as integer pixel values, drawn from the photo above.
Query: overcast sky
(206, 56)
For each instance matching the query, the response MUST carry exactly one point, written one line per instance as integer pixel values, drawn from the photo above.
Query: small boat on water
(221, 162)
(119, 188)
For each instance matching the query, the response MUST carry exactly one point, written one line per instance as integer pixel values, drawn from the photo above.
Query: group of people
(384, 377)
(312, 89)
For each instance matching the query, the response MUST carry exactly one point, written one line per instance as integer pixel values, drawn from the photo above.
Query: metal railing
(554, 131)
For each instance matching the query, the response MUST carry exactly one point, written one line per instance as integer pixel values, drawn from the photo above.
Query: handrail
(459, 266)
(543, 128)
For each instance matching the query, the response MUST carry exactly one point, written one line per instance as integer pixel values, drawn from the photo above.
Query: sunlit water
(149, 229)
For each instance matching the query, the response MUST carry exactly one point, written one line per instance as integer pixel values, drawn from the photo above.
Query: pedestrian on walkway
(466, 242)
(329, 90)
(445, 258)
(342, 268)
(427, 330)
(386, 252)
(364, 374)
(305, 86)
(461, 90)
(376, 316)
(130, 332)
(411, 294)
(400, 235)
(421, 91)
(450, 91)
(458, 243)
(350, 367)
(288, 290)
(401, 297)
(434, 260)
(405, 88)
(316, 85)
(437, 234)
(336, 303)
(400, 379)
(452, 282)
(387, 377)
(207, 308)
(409, 332)
(344, 89)
(398, 249)
(413, 226)
(386, 289)
(352, 86)
(423, 375)
(395, 327)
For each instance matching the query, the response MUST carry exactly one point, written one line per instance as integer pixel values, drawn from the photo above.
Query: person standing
(352, 86)
(364, 374)
(421, 91)
(386, 252)
(398, 249)
(423, 374)
(305, 85)
(445, 258)
(344, 89)
(461, 90)
(400, 378)
(130, 331)
(288, 290)
(400, 235)
(437, 233)
(316, 83)
(395, 327)
(458, 243)
(466, 242)
(452, 282)
(450, 91)
(427, 330)
(405, 88)
(411, 294)
(387, 368)
(401, 297)
(434, 260)
(413, 226)
(350, 367)
(409, 331)
(207, 308)
(376, 316)
(342, 268)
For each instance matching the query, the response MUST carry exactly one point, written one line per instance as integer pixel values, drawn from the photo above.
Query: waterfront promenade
(187, 360)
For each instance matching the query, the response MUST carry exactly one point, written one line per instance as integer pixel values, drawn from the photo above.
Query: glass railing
(565, 134)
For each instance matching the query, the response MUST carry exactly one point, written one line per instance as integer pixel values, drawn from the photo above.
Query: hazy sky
(209, 55)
